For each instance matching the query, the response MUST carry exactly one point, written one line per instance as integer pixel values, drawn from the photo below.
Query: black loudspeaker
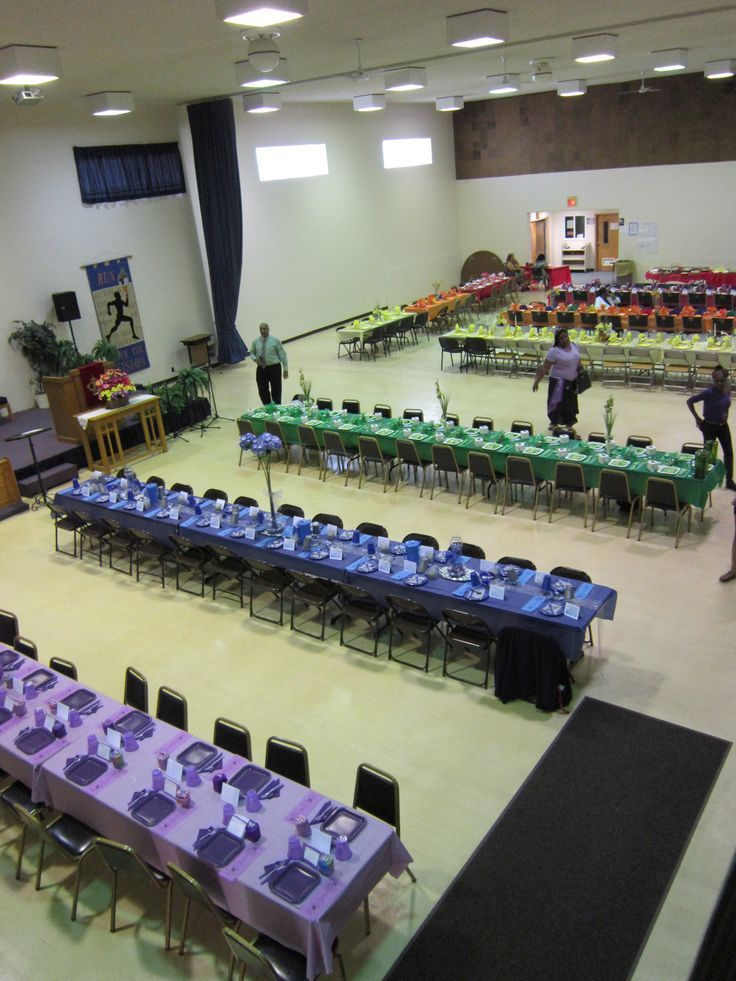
(66, 306)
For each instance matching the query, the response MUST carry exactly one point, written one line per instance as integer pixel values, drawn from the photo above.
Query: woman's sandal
(727, 576)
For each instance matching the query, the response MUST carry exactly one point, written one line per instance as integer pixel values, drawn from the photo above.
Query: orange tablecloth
(434, 308)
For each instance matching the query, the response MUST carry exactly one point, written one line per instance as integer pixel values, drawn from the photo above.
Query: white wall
(690, 205)
(319, 249)
(48, 235)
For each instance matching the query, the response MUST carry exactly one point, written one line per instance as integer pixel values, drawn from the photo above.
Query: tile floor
(458, 753)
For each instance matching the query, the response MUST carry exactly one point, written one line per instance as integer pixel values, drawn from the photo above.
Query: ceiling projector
(27, 96)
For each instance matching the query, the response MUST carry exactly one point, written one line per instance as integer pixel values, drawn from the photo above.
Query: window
(407, 153)
(124, 173)
(282, 163)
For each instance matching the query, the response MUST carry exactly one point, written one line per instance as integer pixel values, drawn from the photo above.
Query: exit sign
(572, 202)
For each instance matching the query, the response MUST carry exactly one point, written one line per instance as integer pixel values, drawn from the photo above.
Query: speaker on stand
(67, 309)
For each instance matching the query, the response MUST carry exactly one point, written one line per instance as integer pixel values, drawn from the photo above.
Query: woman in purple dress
(561, 362)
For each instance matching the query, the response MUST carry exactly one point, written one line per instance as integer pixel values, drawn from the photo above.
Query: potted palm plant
(45, 353)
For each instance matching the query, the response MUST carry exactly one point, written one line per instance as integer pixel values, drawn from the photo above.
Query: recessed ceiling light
(110, 103)
(449, 103)
(478, 28)
(262, 102)
(248, 77)
(594, 47)
(724, 68)
(671, 60)
(29, 64)
(256, 13)
(369, 103)
(503, 84)
(572, 87)
(405, 79)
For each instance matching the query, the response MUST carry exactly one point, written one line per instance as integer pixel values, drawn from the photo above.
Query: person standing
(716, 401)
(270, 357)
(561, 362)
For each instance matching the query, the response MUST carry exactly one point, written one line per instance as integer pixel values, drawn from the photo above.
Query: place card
(383, 544)
(320, 840)
(123, 485)
(8, 703)
(572, 611)
(331, 531)
(250, 533)
(18, 685)
(62, 712)
(170, 787)
(253, 512)
(114, 739)
(336, 553)
(103, 750)
(311, 855)
(215, 521)
(174, 770)
(236, 826)
(140, 504)
(426, 552)
(409, 566)
(174, 513)
(496, 592)
(290, 545)
(384, 565)
(85, 491)
(113, 497)
(48, 723)
(539, 577)
(230, 794)
(219, 504)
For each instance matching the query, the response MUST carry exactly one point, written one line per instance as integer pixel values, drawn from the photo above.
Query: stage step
(52, 477)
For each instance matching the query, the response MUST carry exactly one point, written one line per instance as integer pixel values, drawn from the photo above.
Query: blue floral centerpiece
(262, 447)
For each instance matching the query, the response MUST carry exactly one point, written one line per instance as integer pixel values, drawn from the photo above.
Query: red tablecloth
(717, 280)
(559, 276)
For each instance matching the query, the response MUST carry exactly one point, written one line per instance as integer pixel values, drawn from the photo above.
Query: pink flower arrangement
(111, 384)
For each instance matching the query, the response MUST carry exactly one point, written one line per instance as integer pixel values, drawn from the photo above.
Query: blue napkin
(526, 575)
(534, 603)
(583, 590)
(404, 574)
(462, 590)
(353, 567)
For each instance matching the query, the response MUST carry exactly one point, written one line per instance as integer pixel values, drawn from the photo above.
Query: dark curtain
(212, 125)
(127, 172)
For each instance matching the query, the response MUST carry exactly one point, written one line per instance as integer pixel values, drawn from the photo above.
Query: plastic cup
(295, 848)
(157, 779)
(192, 777)
(252, 802)
(343, 852)
(227, 812)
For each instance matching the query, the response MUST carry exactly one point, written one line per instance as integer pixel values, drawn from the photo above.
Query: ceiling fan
(642, 90)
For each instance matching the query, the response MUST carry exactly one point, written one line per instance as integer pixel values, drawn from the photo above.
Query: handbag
(584, 382)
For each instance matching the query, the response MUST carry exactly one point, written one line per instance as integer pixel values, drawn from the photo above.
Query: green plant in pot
(45, 353)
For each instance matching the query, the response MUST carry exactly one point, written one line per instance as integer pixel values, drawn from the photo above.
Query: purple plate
(79, 699)
(133, 722)
(34, 741)
(294, 882)
(197, 754)
(250, 777)
(39, 678)
(151, 810)
(221, 848)
(8, 657)
(86, 771)
(344, 822)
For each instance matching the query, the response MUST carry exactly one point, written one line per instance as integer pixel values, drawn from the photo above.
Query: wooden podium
(67, 399)
(10, 499)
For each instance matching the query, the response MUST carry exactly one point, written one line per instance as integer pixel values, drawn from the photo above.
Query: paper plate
(344, 822)
(552, 609)
(618, 462)
(294, 882)
(86, 771)
(153, 808)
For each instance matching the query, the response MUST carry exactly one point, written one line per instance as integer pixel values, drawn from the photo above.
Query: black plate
(250, 778)
(5, 715)
(153, 809)
(7, 657)
(344, 822)
(79, 699)
(197, 754)
(133, 722)
(34, 741)
(294, 882)
(86, 771)
(39, 678)
(221, 849)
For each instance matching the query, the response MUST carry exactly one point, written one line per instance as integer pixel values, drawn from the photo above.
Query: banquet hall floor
(458, 753)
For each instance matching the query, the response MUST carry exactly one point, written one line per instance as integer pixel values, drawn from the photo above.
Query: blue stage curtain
(212, 125)
(124, 173)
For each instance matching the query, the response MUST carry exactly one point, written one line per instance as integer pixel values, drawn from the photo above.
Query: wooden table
(102, 425)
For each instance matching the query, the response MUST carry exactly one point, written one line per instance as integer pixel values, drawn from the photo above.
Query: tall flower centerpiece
(112, 386)
(609, 417)
(305, 385)
(262, 447)
(443, 398)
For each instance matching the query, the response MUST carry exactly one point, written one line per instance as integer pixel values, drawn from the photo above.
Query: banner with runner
(113, 295)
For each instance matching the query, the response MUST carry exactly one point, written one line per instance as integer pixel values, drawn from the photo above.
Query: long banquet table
(520, 605)
(105, 804)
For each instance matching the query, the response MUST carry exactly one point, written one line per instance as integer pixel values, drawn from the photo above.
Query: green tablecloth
(542, 451)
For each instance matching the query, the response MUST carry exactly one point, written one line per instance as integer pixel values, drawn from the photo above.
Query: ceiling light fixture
(248, 77)
(256, 13)
(503, 84)
(261, 102)
(594, 47)
(29, 64)
(110, 103)
(671, 60)
(724, 68)
(405, 79)
(263, 52)
(369, 103)
(478, 28)
(572, 87)
(449, 103)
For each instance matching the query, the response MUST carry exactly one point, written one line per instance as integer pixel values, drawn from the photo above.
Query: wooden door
(539, 238)
(606, 240)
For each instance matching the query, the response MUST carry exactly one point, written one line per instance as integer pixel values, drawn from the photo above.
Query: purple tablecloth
(104, 804)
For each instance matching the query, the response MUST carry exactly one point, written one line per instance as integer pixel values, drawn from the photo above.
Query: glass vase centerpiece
(443, 398)
(112, 387)
(262, 447)
(609, 417)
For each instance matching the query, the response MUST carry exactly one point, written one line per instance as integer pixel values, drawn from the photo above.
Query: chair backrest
(569, 477)
(328, 519)
(62, 666)
(692, 325)
(186, 488)
(191, 888)
(596, 437)
(308, 437)
(665, 322)
(443, 458)
(421, 318)
(407, 452)
(274, 428)
(453, 418)
(9, 628)
(324, 403)
(377, 792)
(589, 319)
(638, 320)
(640, 441)
(333, 443)
(472, 551)
(288, 759)
(479, 465)
(382, 409)
(369, 449)
(691, 447)
(661, 493)
(158, 481)
(409, 610)
(245, 427)
(171, 707)
(479, 421)
(351, 405)
(614, 485)
(564, 431)
(251, 959)
(519, 471)
(459, 620)
(370, 528)
(246, 502)
(451, 344)
(563, 317)
(515, 560)
(215, 494)
(121, 858)
(418, 536)
(135, 692)
(522, 426)
(25, 646)
(413, 414)
(233, 737)
(291, 510)
(356, 594)
(567, 572)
